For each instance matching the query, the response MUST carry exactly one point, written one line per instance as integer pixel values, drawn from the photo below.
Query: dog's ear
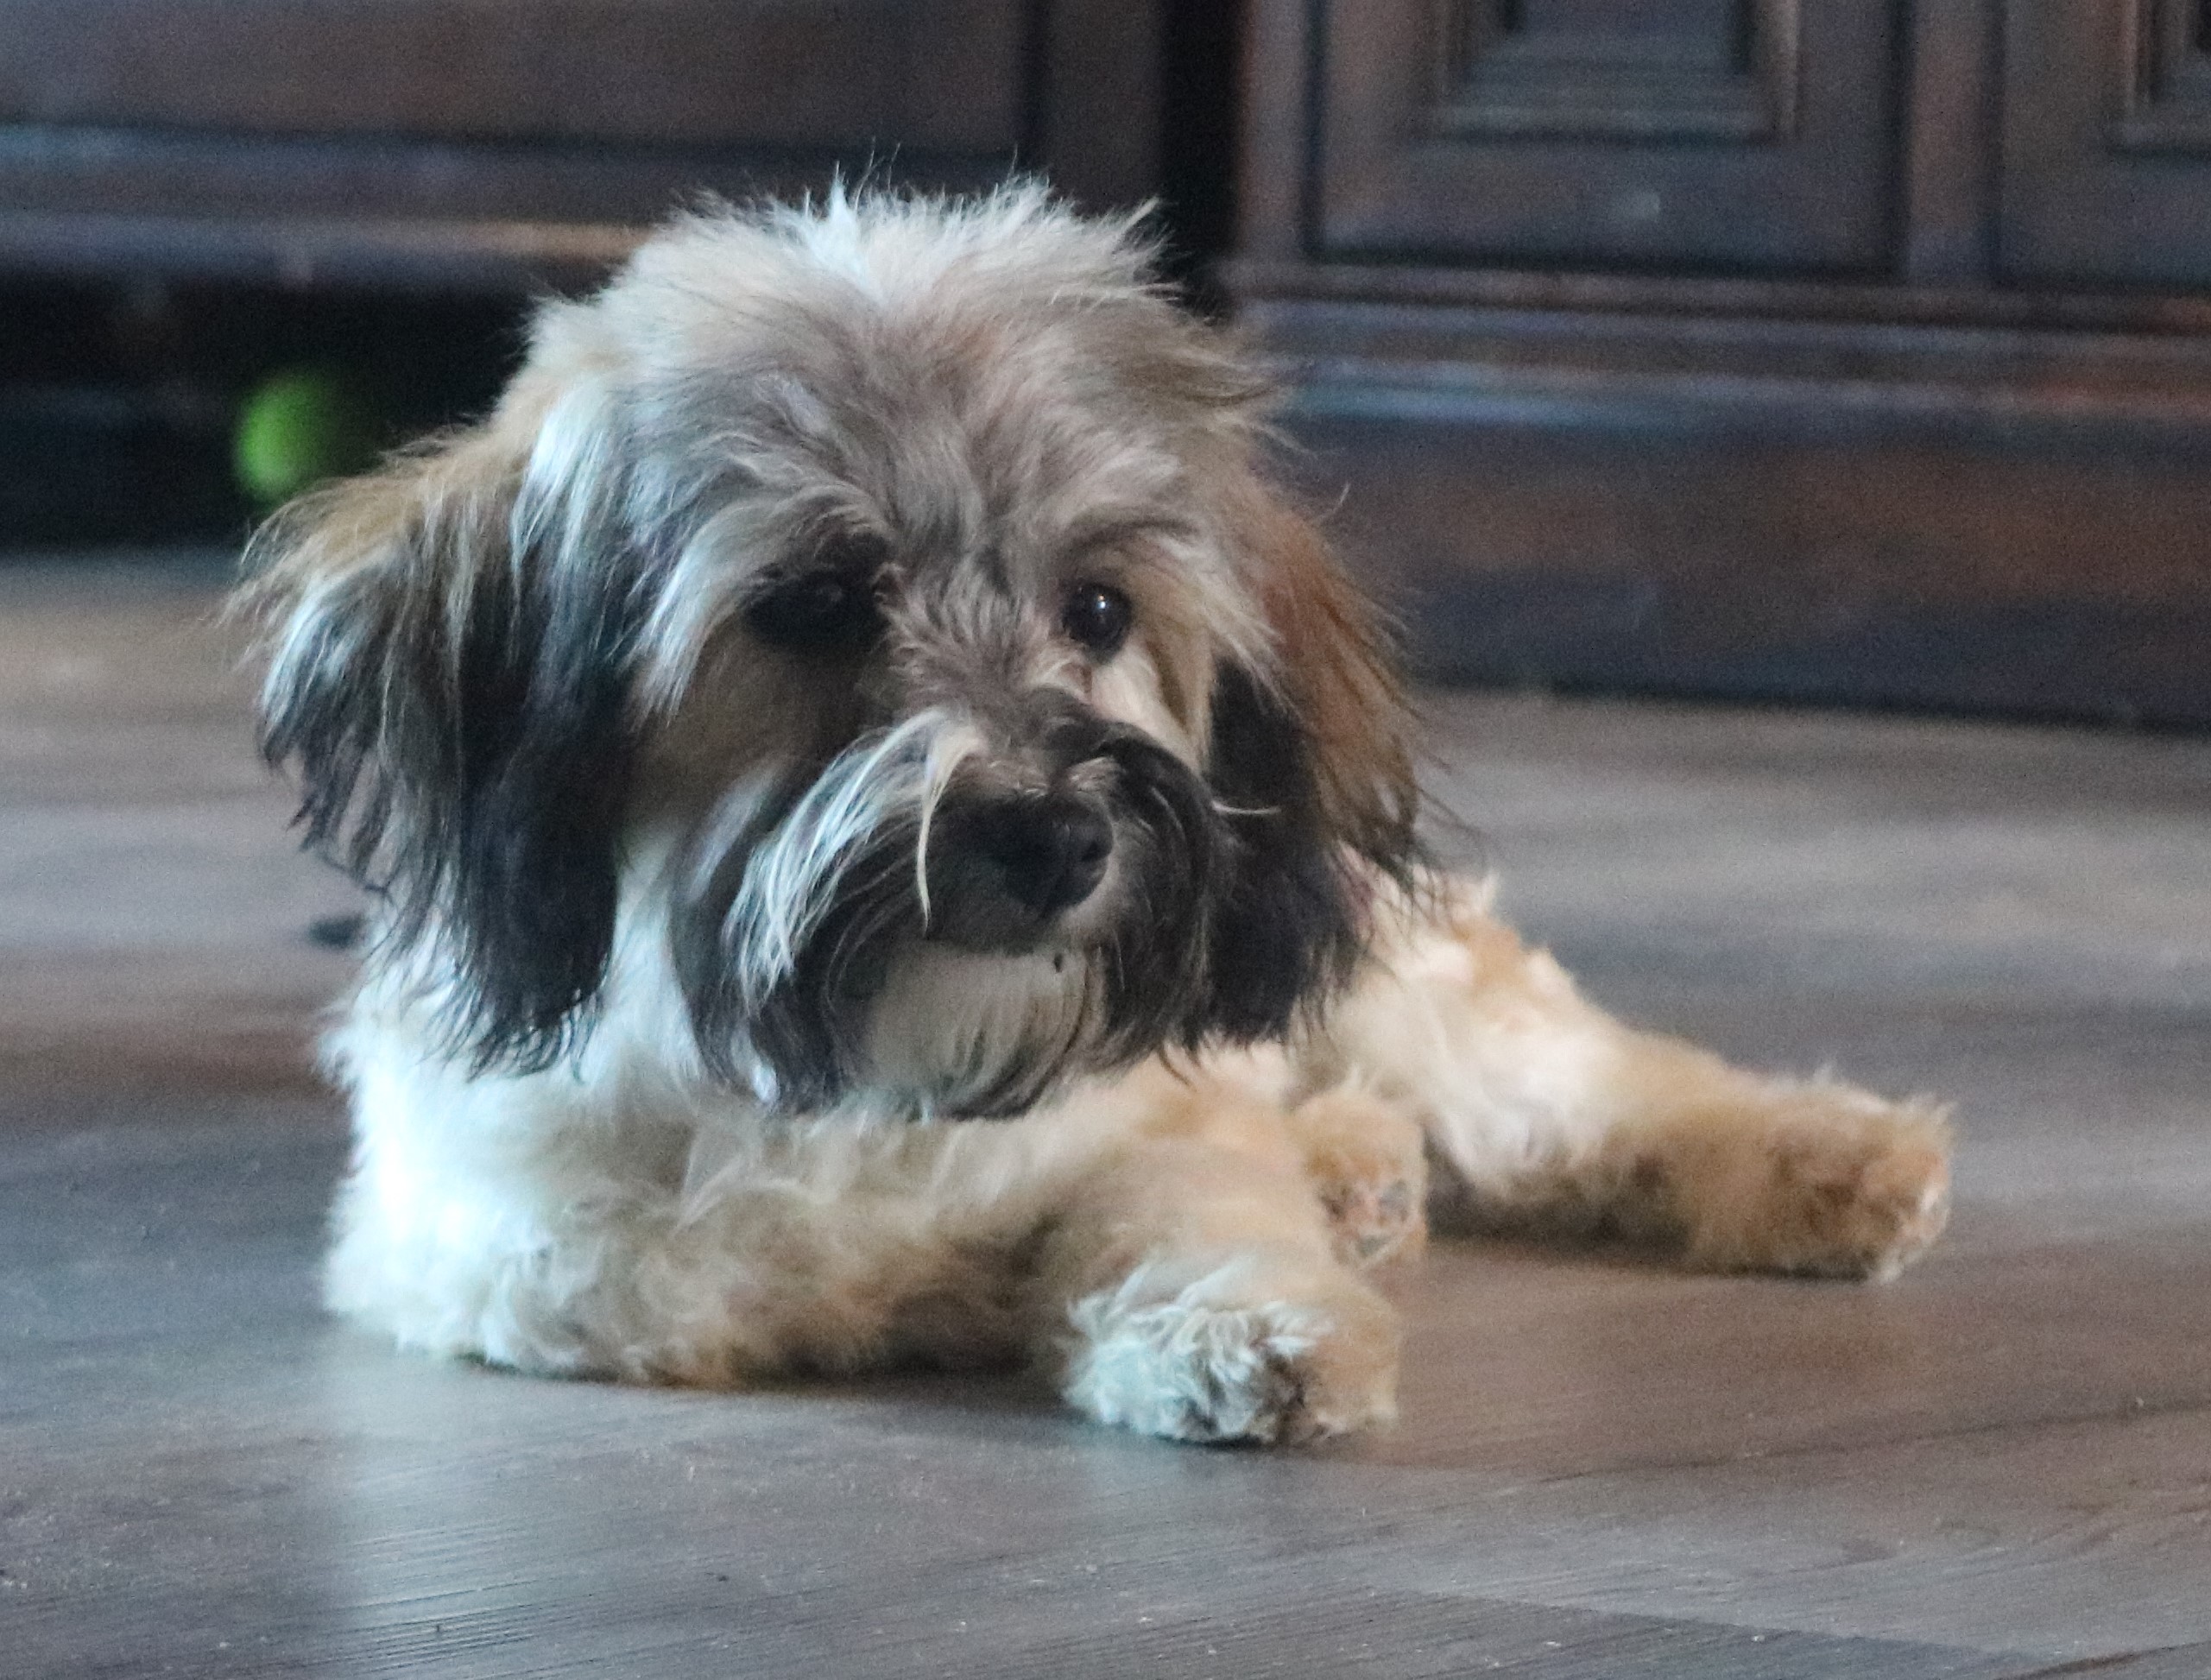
(1311, 761)
(451, 638)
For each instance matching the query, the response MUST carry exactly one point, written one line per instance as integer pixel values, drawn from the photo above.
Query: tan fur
(1552, 1115)
(1334, 663)
(995, 390)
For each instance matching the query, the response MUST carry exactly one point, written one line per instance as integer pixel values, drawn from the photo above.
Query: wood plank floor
(1999, 1467)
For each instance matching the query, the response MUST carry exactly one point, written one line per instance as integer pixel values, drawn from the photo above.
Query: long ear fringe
(338, 586)
(1311, 763)
(1336, 670)
(452, 756)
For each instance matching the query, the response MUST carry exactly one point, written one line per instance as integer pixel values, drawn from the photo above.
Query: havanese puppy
(893, 843)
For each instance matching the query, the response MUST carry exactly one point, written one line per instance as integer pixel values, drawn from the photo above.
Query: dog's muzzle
(1005, 870)
(1077, 846)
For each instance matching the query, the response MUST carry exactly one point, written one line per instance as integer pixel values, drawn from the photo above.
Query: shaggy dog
(893, 843)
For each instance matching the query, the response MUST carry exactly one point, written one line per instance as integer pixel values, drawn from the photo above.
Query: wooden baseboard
(1936, 513)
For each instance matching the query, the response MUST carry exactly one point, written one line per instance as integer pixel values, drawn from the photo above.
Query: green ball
(299, 427)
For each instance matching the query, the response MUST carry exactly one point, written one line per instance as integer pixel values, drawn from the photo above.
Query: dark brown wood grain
(945, 75)
(508, 144)
(2106, 144)
(1964, 467)
(1756, 135)
(1950, 137)
(1755, 543)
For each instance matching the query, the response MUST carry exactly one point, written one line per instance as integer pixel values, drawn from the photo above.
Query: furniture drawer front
(1754, 135)
(935, 74)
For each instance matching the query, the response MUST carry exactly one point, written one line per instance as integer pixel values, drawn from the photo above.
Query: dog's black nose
(1050, 854)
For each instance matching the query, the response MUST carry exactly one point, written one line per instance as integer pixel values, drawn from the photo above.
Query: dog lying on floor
(893, 843)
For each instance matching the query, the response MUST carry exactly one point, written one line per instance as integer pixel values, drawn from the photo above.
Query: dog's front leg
(1552, 1112)
(535, 1225)
(1192, 1290)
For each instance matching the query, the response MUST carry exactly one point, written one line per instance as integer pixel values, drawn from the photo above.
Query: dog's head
(881, 604)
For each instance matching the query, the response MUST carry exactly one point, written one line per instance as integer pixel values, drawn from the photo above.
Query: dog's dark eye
(829, 608)
(1097, 618)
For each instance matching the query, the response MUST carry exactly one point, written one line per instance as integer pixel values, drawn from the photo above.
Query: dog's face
(882, 604)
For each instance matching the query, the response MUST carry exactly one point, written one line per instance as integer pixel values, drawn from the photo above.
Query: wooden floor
(2000, 1466)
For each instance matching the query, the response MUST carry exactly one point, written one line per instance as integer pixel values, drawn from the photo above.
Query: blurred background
(1829, 355)
(1812, 349)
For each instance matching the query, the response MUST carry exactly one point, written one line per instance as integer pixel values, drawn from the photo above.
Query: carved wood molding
(2164, 59)
(1733, 77)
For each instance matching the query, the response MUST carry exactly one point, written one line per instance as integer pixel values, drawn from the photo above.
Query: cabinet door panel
(1697, 134)
(2107, 142)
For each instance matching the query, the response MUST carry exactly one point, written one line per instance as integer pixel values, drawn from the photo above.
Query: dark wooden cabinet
(2106, 144)
(1693, 133)
(197, 194)
(1824, 348)
(499, 143)
(943, 75)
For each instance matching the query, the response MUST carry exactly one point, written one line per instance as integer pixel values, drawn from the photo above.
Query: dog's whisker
(951, 748)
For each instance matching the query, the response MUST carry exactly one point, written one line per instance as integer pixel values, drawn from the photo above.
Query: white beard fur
(1179, 1248)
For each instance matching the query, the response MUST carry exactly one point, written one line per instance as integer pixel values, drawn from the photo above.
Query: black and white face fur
(875, 608)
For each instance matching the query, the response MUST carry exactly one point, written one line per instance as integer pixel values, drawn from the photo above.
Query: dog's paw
(1850, 1188)
(1280, 1373)
(1367, 1163)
